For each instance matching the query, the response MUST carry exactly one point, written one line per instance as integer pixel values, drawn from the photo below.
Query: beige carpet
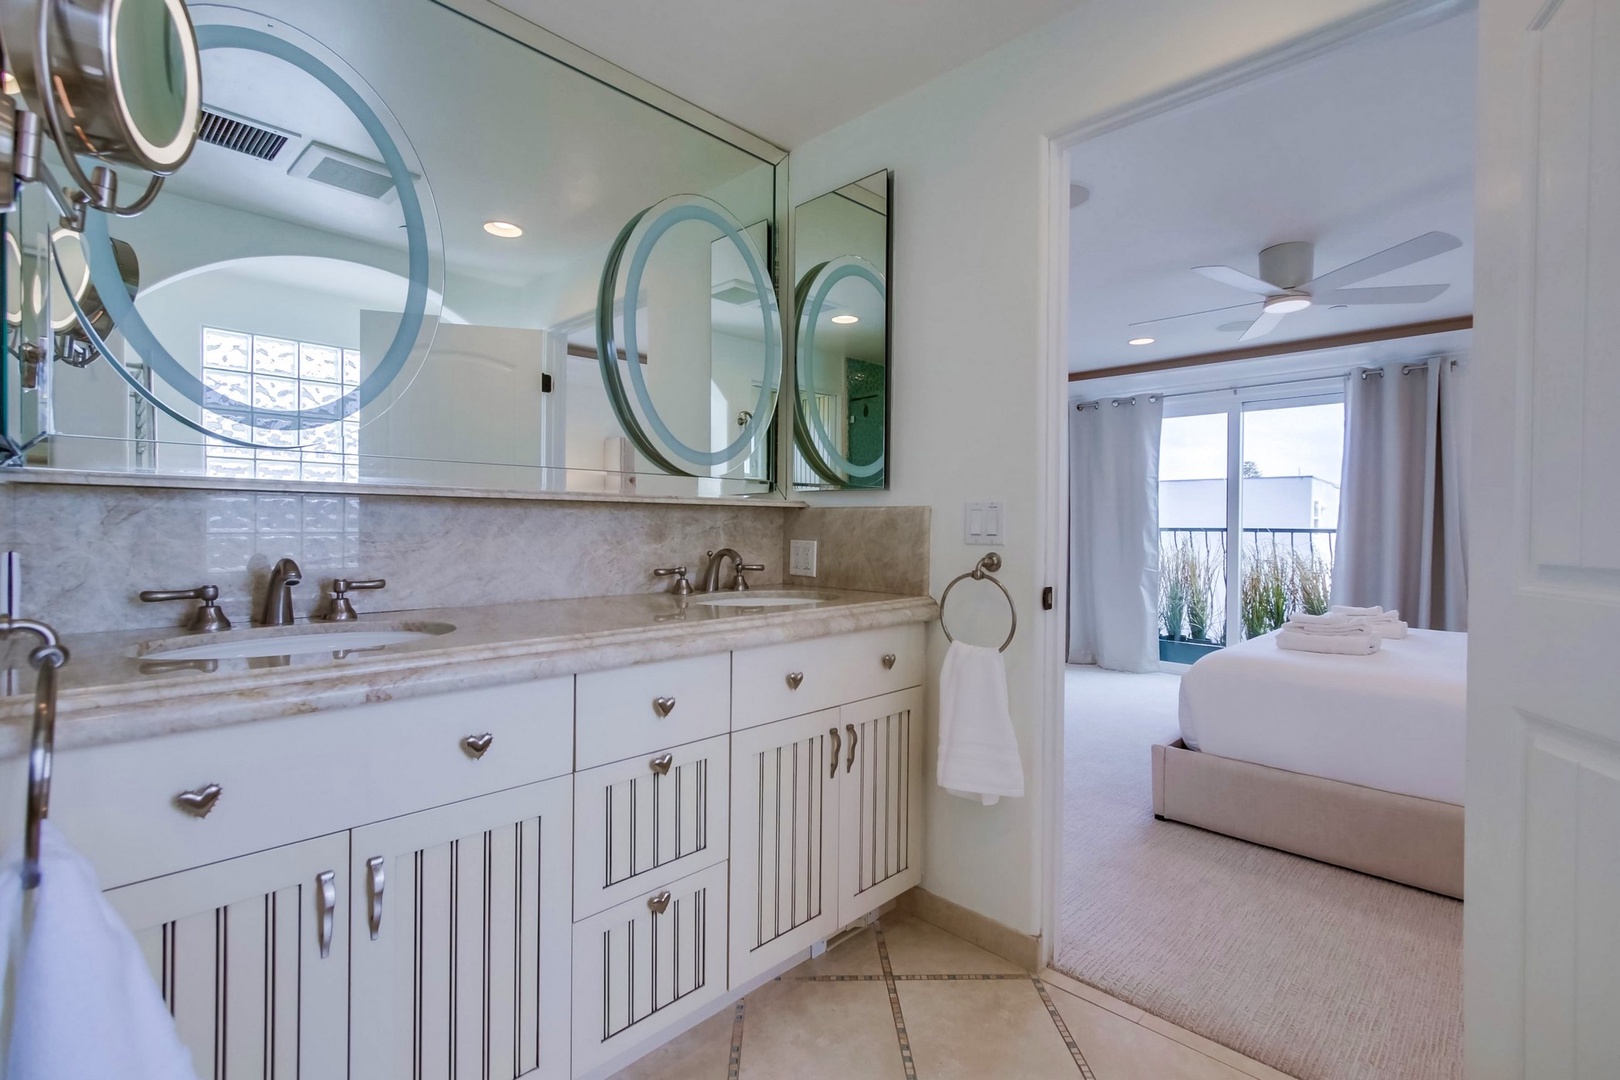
(1320, 972)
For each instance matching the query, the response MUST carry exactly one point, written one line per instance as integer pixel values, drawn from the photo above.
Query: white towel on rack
(978, 751)
(85, 1003)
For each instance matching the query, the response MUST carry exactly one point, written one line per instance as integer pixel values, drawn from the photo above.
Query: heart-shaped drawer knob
(661, 764)
(795, 679)
(475, 745)
(200, 801)
(888, 661)
(659, 902)
(663, 706)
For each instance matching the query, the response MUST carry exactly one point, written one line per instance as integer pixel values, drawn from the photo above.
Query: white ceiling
(1356, 151)
(784, 69)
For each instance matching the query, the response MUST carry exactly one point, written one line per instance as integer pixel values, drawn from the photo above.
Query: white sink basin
(754, 600)
(291, 641)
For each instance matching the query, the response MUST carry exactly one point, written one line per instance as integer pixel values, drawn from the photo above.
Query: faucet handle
(682, 587)
(342, 610)
(208, 617)
(741, 584)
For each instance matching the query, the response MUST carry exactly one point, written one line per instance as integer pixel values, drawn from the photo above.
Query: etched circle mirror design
(231, 28)
(815, 443)
(625, 277)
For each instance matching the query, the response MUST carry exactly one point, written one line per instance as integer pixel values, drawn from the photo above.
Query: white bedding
(1394, 720)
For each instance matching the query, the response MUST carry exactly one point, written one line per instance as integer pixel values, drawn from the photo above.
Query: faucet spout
(717, 559)
(278, 609)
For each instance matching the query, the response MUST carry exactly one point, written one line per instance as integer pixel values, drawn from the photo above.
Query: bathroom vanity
(538, 843)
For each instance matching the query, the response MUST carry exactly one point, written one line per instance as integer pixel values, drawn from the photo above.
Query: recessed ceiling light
(845, 320)
(1287, 303)
(503, 229)
(1140, 341)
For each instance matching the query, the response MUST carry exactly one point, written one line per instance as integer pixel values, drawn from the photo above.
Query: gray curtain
(1402, 518)
(1114, 533)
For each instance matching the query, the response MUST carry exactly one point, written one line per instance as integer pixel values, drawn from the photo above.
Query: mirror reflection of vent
(348, 172)
(245, 137)
(736, 291)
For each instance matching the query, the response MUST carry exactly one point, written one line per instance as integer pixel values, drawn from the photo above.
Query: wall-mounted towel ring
(49, 656)
(984, 571)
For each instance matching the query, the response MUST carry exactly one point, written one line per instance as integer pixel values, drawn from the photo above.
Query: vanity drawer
(797, 677)
(638, 973)
(643, 709)
(286, 780)
(645, 820)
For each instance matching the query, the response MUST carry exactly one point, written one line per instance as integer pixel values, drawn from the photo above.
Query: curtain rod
(1406, 369)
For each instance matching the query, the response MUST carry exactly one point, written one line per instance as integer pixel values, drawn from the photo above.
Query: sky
(1298, 441)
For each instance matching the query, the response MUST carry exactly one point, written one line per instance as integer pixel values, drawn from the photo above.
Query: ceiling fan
(1285, 284)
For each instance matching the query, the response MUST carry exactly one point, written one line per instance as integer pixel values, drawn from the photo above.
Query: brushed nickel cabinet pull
(658, 904)
(375, 882)
(475, 745)
(325, 907)
(794, 679)
(661, 764)
(849, 762)
(837, 742)
(888, 661)
(663, 706)
(200, 801)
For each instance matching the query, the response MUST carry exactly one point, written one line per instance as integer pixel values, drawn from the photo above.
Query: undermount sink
(755, 599)
(292, 641)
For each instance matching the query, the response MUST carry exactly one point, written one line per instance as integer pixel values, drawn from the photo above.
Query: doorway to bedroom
(1269, 318)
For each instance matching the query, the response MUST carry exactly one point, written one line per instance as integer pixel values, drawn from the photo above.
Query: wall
(971, 379)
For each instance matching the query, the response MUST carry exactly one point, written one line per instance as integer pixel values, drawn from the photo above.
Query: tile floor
(904, 1000)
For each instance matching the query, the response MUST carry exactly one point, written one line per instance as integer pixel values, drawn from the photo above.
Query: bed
(1357, 761)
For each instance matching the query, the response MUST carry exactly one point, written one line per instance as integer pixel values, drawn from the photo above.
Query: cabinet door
(880, 801)
(252, 955)
(460, 923)
(784, 858)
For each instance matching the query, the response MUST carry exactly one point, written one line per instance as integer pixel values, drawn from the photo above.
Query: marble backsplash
(86, 551)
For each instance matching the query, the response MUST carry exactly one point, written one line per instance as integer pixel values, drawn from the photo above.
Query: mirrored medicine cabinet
(422, 242)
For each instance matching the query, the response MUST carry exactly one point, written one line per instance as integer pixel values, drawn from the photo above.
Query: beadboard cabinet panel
(880, 811)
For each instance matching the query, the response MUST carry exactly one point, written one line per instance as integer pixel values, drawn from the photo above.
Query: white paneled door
(460, 919)
(1542, 922)
(253, 958)
(880, 801)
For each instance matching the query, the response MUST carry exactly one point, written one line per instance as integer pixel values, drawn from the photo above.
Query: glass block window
(245, 373)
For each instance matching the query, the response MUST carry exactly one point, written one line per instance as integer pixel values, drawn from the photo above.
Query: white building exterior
(1269, 502)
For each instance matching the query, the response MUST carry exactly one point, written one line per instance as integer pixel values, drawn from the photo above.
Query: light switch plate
(983, 523)
(802, 558)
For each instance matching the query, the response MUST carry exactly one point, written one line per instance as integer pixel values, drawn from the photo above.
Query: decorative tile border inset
(1063, 1029)
(906, 1060)
(734, 1067)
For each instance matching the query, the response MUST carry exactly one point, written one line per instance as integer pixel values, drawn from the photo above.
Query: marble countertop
(116, 687)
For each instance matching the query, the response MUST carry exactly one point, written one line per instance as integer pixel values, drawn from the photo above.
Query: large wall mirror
(412, 249)
(841, 273)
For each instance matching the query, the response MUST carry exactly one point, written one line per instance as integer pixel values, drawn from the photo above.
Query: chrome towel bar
(49, 656)
(984, 571)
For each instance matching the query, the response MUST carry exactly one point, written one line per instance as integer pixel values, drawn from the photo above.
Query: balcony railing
(1281, 571)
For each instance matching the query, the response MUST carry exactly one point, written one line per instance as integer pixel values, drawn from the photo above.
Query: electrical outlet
(802, 558)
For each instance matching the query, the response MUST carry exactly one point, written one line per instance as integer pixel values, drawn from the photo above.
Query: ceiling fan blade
(1226, 275)
(1394, 294)
(1265, 324)
(1190, 314)
(1414, 250)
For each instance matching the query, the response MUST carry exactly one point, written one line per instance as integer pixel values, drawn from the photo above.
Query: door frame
(1052, 526)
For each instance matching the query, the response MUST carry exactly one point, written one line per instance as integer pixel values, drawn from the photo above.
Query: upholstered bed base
(1413, 841)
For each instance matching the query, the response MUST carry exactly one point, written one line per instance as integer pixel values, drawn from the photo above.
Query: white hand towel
(86, 1004)
(1354, 641)
(1323, 625)
(1346, 609)
(978, 751)
(1387, 623)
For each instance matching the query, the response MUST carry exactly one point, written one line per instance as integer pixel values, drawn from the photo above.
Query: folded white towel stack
(978, 751)
(86, 1004)
(1338, 634)
(1387, 623)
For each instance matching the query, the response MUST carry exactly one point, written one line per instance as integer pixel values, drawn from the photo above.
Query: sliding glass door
(1270, 459)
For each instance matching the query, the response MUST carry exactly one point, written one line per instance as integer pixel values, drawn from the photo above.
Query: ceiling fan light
(1286, 303)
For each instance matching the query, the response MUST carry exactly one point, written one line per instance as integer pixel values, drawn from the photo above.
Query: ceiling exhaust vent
(244, 136)
(736, 291)
(348, 172)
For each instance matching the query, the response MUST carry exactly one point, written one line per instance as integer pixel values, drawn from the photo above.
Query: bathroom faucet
(278, 610)
(711, 576)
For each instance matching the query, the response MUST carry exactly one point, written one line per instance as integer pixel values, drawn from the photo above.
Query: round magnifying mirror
(14, 292)
(125, 73)
(73, 271)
